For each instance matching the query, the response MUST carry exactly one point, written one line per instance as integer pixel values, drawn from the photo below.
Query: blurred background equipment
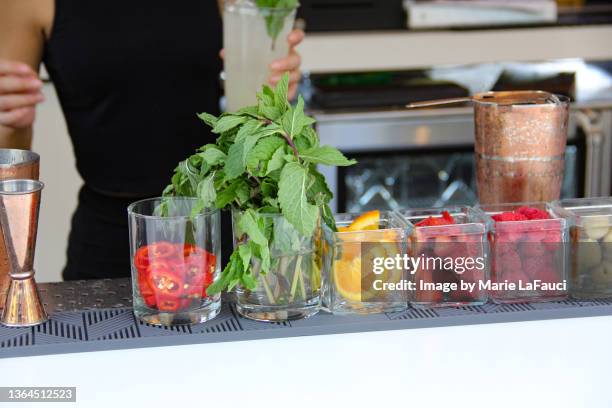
(427, 14)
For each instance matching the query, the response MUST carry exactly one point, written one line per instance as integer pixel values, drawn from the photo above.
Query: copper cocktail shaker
(14, 164)
(19, 207)
(520, 144)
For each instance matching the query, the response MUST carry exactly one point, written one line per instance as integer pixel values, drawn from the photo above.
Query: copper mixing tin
(520, 140)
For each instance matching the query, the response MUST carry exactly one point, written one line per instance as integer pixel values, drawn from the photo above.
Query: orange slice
(366, 221)
(347, 276)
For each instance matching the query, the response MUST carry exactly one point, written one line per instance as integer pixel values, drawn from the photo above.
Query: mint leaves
(263, 162)
(292, 198)
(275, 13)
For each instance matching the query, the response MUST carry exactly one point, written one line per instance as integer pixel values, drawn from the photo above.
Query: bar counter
(563, 362)
(96, 315)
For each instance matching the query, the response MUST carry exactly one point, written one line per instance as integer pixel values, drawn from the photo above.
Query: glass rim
(564, 100)
(29, 157)
(252, 5)
(34, 186)
(205, 212)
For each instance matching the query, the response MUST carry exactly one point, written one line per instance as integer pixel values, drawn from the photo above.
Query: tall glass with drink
(253, 37)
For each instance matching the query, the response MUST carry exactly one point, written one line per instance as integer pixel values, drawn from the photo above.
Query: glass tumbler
(520, 145)
(253, 37)
(175, 256)
(290, 290)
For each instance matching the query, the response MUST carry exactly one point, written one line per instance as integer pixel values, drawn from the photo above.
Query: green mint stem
(290, 142)
(269, 294)
(298, 272)
(301, 277)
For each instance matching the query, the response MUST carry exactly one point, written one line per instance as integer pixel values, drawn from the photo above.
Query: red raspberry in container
(527, 245)
(533, 213)
(537, 266)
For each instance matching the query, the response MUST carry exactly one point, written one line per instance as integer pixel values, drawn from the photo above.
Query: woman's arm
(23, 26)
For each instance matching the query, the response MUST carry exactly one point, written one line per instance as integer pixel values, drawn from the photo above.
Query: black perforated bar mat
(96, 315)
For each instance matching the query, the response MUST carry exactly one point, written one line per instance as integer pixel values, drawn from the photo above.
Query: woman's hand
(20, 92)
(291, 63)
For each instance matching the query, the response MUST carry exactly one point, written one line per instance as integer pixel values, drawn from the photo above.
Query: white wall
(62, 182)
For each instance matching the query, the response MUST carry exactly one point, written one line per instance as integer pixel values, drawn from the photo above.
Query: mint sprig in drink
(255, 34)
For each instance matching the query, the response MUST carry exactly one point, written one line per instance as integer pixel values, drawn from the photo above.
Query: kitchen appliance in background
(377, 89)
(428, 14)
(352, 15)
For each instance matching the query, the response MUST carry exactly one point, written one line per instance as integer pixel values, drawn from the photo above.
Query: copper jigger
(19, 205)
(520, 144)
(14, 164)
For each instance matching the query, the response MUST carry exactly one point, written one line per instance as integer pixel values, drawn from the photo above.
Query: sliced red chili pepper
(141, 259)
(168, 304)
(144, 287)
(164, 280)
(150, 300)
(190, 250)
(153, 252)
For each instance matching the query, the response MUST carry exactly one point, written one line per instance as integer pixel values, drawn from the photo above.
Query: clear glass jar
(175, 256)
(527, 254)
(591, 245)
(350, 283)
(452, 257)
(291, 289)
(253, 37)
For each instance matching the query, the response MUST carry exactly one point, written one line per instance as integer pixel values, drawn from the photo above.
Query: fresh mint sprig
(277, 11)
(263, 162)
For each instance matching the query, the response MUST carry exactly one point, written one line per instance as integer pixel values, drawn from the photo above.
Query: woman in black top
(130, 76)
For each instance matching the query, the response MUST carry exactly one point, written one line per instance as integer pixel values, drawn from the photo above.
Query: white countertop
(553, 363)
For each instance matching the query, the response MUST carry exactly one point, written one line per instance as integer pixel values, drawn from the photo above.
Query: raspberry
(509, 216)
(446, 219)
(533, 213)
(531, 249)
(444, 246)
(552, 241)
(505, 264)
(549, 276)
(516, 275)
(537, 267)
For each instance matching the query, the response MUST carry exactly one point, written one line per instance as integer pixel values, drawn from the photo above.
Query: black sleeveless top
(131, 76)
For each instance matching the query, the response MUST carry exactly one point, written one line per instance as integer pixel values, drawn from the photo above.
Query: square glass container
(528, 256)
(449, 260)
(350, 283)
(591, 245)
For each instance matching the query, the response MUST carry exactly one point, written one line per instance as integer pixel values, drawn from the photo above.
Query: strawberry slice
(445, 219)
